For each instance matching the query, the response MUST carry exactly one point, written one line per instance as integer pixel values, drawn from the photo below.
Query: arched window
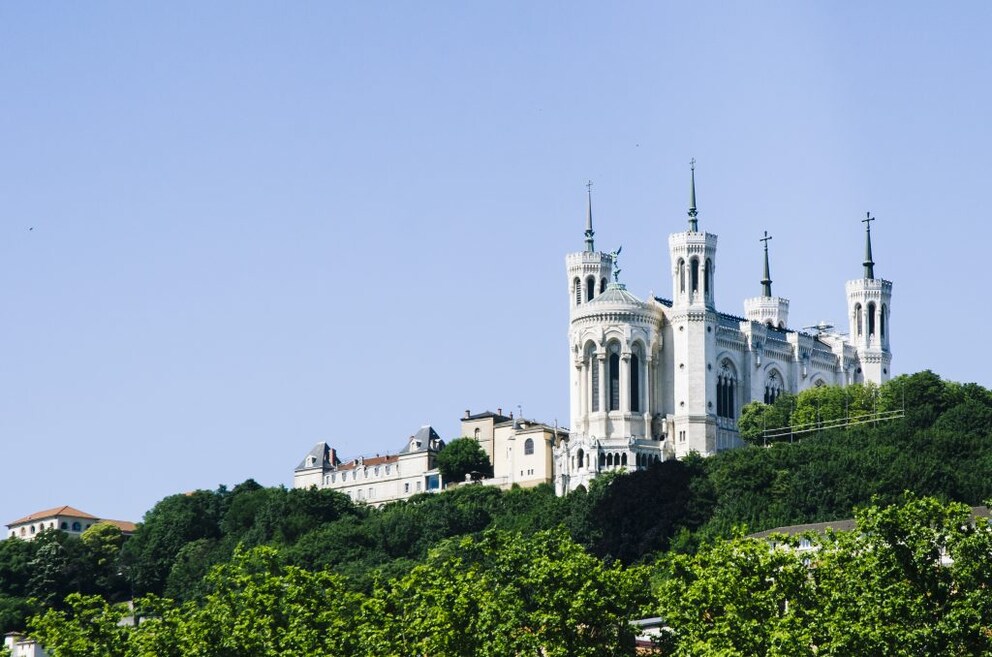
(64, 525)
(881, 321)
(577, 286)
(477, 432)
(593, 377)
(726, 391)
(590, 288)
(635, 384)
(529, 446)
(857, 317)
(773, 387)
(681, 275)
(707, 274)
(581, 456)
(694, 275)
(602, 286)
(623, 459)
(602, 459)
(614, 390)
(609, 460)
(76, 526)
(871, 319)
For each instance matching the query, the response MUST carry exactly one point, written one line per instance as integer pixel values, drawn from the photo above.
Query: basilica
(658, 378)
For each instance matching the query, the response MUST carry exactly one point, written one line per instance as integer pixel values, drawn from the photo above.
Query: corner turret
(766, 309)
(869, 301)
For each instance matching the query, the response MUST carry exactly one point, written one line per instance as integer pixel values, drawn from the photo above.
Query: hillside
(942, 449)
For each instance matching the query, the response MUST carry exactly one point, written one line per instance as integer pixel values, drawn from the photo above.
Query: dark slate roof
(487, 414)
(424, 437)
(322, 452)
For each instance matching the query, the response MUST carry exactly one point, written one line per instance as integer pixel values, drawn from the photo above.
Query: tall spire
(766, 282)
(869, 264)
(589, 232)
(693, 222)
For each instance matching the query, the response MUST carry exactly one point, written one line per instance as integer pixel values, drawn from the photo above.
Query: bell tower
(588, 270)
(694, 325)
(766, 309)
(869, 301)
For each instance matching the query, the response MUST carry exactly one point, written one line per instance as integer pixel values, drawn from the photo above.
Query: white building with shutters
(658, 378)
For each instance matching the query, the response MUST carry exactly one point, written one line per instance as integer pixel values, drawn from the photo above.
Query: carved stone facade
(660, 378)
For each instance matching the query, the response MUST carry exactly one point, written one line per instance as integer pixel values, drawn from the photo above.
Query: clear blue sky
(231, 230)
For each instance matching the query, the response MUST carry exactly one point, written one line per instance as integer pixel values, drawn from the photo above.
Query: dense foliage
(497, 595)
(189, 547)
(912, 579)
(461, 457)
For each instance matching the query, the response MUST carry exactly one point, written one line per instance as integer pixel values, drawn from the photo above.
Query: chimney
(467, 413)
(499, 411)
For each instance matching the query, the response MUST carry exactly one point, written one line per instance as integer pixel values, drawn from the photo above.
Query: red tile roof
(375, 460)
(51, 513)
(125, 526)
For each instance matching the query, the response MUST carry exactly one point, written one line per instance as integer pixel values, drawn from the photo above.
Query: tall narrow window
(614, 382)
(707, 273)
(694, 275)
(725, 393)
(635, 384)
(590, 288)
(681, 275)
(577, 284)
(623, 459)
(871, 319)
(582, 456)
(529, 446)
(602, 286)
(857, 317)
(594, 380)
(719, 396)
(881, 321)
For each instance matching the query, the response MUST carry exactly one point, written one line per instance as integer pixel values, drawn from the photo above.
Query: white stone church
(659, 378)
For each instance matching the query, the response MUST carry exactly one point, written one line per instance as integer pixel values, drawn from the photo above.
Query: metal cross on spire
(693, 222)
(766, 282)
(869, 263)
(590, 245)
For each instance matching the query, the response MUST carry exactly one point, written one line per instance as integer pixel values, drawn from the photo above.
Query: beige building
(378, 479)
(70, 520)
(520, 450)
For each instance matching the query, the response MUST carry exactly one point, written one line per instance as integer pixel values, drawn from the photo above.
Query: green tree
(460, 457)
(757, 418)
(89, 627)
(822, 404)
(172, 523)
(911, 579)
(102, 547)
(259, 607)
(736, 597)
(505, 594)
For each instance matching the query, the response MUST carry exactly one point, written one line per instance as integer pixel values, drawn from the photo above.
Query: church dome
(616, 294)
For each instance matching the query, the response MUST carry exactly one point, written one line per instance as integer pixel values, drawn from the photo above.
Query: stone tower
(767, 309)
(588, 270)
(869, 301)
(694, 325)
